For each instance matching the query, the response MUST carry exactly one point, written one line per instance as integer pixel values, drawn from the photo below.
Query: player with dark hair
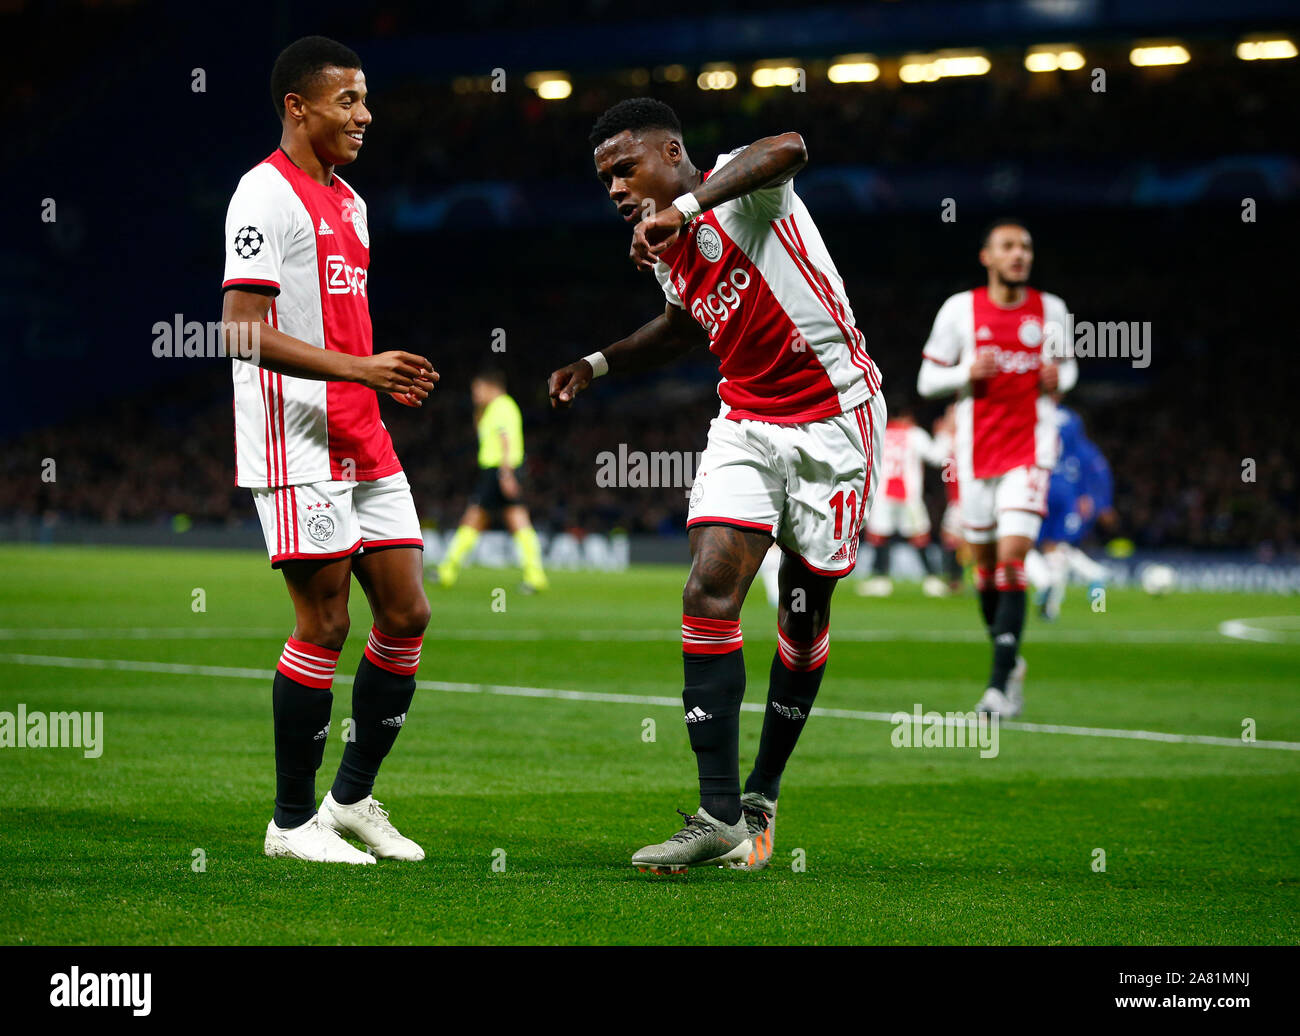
(328, 487)
(1003, 349)
(791, 456)
(500, 458)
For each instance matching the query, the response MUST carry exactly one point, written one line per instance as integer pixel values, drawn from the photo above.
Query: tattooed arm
(765, 163)
(769, 162)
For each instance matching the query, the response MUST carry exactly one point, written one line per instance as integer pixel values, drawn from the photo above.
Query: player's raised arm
(400, 373)
(660, 342)
(765, 163)
(768, 162)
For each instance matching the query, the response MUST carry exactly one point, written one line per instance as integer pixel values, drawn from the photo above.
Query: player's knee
(708, 598)
(325, 629)
(410, 619)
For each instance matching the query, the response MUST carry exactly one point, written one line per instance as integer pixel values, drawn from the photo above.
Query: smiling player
(309, 443)
(791, 456)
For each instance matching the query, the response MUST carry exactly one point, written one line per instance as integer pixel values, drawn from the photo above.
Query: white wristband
(688, 205)
(599, 365)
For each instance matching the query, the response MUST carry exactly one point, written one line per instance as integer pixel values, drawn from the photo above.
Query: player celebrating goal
(791, 456)
(309, 443)
(1003, 349)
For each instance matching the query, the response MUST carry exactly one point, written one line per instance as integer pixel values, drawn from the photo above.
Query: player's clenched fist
(654, 235)
(985, 365)
(1049, 378)
(567, 382)
(408, 378)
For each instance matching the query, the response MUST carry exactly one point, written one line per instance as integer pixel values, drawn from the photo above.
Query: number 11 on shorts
(837, 502)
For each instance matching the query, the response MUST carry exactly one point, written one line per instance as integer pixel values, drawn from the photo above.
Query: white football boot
(875, 586)
(367, 821)
(311, 841)
(998, 704)
(933, 586)
(1016, 684)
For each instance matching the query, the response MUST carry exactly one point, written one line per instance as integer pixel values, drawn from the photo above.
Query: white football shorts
(809, 486)
(906, 518)
(1010, 504)
(322, 520)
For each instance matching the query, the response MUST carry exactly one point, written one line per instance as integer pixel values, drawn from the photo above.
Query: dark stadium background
(485, 214)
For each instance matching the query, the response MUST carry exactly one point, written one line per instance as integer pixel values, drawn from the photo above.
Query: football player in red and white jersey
(955, 551)
(309, 443)
(900, 508)
(1003, 348)
(792, 456)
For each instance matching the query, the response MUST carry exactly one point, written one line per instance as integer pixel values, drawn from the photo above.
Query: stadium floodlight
(670, 73)
(549, 86)
(1049, 57)
(854, 68)
(717, 76)
(1265, 48)
(926, 68)
(1150, 54)
(778, 72)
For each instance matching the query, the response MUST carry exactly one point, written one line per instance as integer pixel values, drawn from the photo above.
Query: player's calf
(301, 701)
(381, 697)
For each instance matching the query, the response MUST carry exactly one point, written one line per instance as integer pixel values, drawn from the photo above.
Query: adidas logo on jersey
(324, 228)
(394, 721)
(698, 715)
(983, 333)
(848, 551)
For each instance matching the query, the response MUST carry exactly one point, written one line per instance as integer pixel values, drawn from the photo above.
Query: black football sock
(880, 563)
(1009, 623)
(927, 562)
(381, 696)
(300, 701)
(987, 592)
(714, 666)
(951, 566)
(797, 670)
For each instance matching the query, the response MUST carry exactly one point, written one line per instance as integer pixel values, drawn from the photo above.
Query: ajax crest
(708, 242)
(320, 527)
(1031, 332)
(352, 211)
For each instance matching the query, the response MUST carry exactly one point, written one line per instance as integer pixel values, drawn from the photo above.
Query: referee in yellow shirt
(500, 453)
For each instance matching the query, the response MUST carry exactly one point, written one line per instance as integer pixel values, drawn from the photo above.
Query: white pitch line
(1247, 629)
(231, 672)
(665, 634)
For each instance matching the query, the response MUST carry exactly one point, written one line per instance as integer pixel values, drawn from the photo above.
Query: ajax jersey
(756, 276)
(310, 244)
(1004, 422)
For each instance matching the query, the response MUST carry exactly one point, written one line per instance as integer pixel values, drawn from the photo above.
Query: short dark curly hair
(635, 113)
(301, 63)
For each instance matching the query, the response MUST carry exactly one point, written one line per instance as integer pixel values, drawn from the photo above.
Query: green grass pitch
(875, 843)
